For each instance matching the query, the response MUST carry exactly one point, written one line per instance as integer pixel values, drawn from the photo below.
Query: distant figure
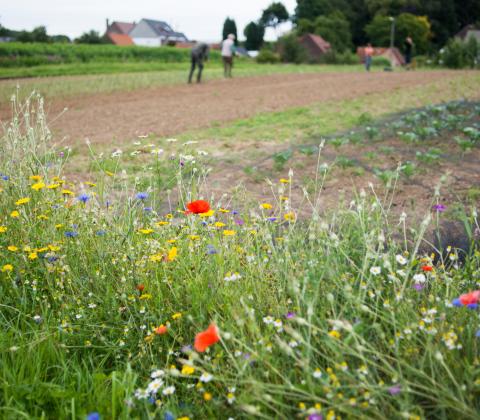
(368, 56)
(228, 49)
(199, 55)
(408, 46)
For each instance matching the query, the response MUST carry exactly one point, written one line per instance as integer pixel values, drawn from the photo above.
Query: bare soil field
(168, 110)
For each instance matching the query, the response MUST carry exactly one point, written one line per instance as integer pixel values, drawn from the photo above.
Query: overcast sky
(198, 19)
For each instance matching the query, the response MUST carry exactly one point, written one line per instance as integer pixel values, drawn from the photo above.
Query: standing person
(368, 56)
(228, 49)
(408, 46)
(199, 55)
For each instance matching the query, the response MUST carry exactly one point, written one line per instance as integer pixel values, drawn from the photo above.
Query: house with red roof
(117, 33)
(315, 46)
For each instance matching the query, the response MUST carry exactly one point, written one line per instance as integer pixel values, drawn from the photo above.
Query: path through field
(168, 110)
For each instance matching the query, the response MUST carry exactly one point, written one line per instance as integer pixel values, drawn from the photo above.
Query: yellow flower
(32, 256)
(223, 210)
(24, 200)
(302, 406)
(207, 214)
(207, 396)
(53, 248)
(38, 186)
(91, 184)
(188, 370)
(171, 241)
(156, 257)
(109, 173)
(289, 216)
(228, 232)
(266, 206)
(172, 254)
(169, 216)
(183, 418)
(284, 181)
(36, 178)
(145, 296)
(7, 267)
(14, 213)
(3, 229)
(42, 217)
(12, 248)
(253, 232)
(219, 224)
(334, 334)
(53, 186)
(194, 237)
(58, 226)
(146, 231)
(67, 192)
(162, 223)
(177, 315)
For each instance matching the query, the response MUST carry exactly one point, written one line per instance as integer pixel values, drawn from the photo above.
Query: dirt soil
(168, 110)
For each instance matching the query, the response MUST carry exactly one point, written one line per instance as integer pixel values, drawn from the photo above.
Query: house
(154, 33)
(315, 46)
(467, 32)
(391, 54)
(118, 33)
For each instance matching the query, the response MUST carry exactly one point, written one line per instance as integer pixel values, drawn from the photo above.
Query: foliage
(381, 62)
(254, 34)
(274, 15)
(39, 34)
(25, 54)
(291, 51)
(346, 57)
(266, 56)
(417, 27)
(334, 28)
(105, 286)
(230, 27)
(91, 37)
(460, 54)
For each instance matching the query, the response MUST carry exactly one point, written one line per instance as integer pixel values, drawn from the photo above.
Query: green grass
(90, 78)
(322, 316)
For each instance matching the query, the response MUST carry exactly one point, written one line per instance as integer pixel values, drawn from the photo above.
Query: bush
(381, 62)
(346, 57)
(291, 51)
(30, 54)
(266, 56)
(458, 54)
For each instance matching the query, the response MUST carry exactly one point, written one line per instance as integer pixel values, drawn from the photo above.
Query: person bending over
(199, 55)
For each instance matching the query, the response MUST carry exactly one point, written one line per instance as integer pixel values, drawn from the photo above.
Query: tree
(334, 28)
(229, 27)
(291, 51)
(274, 15)
(254, 34)
(61, 39)
(92, 37)
(417, 27)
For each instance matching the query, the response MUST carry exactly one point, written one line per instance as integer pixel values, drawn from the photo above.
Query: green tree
(418, 27)
(229, 27)
(61, 39)
(274, 15)
(254, 34)
(291, 51)
(91, 37)
(334, 28)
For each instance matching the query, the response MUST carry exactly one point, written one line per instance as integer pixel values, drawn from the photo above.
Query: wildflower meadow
(134, 299)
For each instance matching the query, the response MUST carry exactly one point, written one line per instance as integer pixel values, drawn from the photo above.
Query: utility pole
(392, 32)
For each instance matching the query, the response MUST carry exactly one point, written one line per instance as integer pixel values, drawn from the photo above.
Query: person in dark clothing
(199, 55)
(408, 46)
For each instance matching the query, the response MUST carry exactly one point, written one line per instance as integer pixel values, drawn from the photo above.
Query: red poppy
(206, 338)
(427, 268)
(198, 206)
(470, 298)
(140, 287)
(162, 329)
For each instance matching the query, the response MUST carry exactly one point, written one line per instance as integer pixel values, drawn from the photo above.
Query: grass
(89, 78)
(341, 313)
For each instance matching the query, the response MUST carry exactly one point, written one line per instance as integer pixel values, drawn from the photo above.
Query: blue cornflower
(52, 259)
(142, 196)
(147, 209)
(100, 232)
(211, 249)
(83, 198)
(168, 416)
(477, 334)
(93, 416)
(5, 177)
(71, 234)
(272, 219)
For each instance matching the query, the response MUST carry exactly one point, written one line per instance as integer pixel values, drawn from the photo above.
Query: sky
(198, 19)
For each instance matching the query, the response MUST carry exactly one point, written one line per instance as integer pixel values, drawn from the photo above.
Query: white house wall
(148, 42)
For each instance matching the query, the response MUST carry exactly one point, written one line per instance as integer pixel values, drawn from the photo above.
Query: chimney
(108, 23)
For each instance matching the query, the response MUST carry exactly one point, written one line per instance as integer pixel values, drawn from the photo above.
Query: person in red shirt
(368, 56)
